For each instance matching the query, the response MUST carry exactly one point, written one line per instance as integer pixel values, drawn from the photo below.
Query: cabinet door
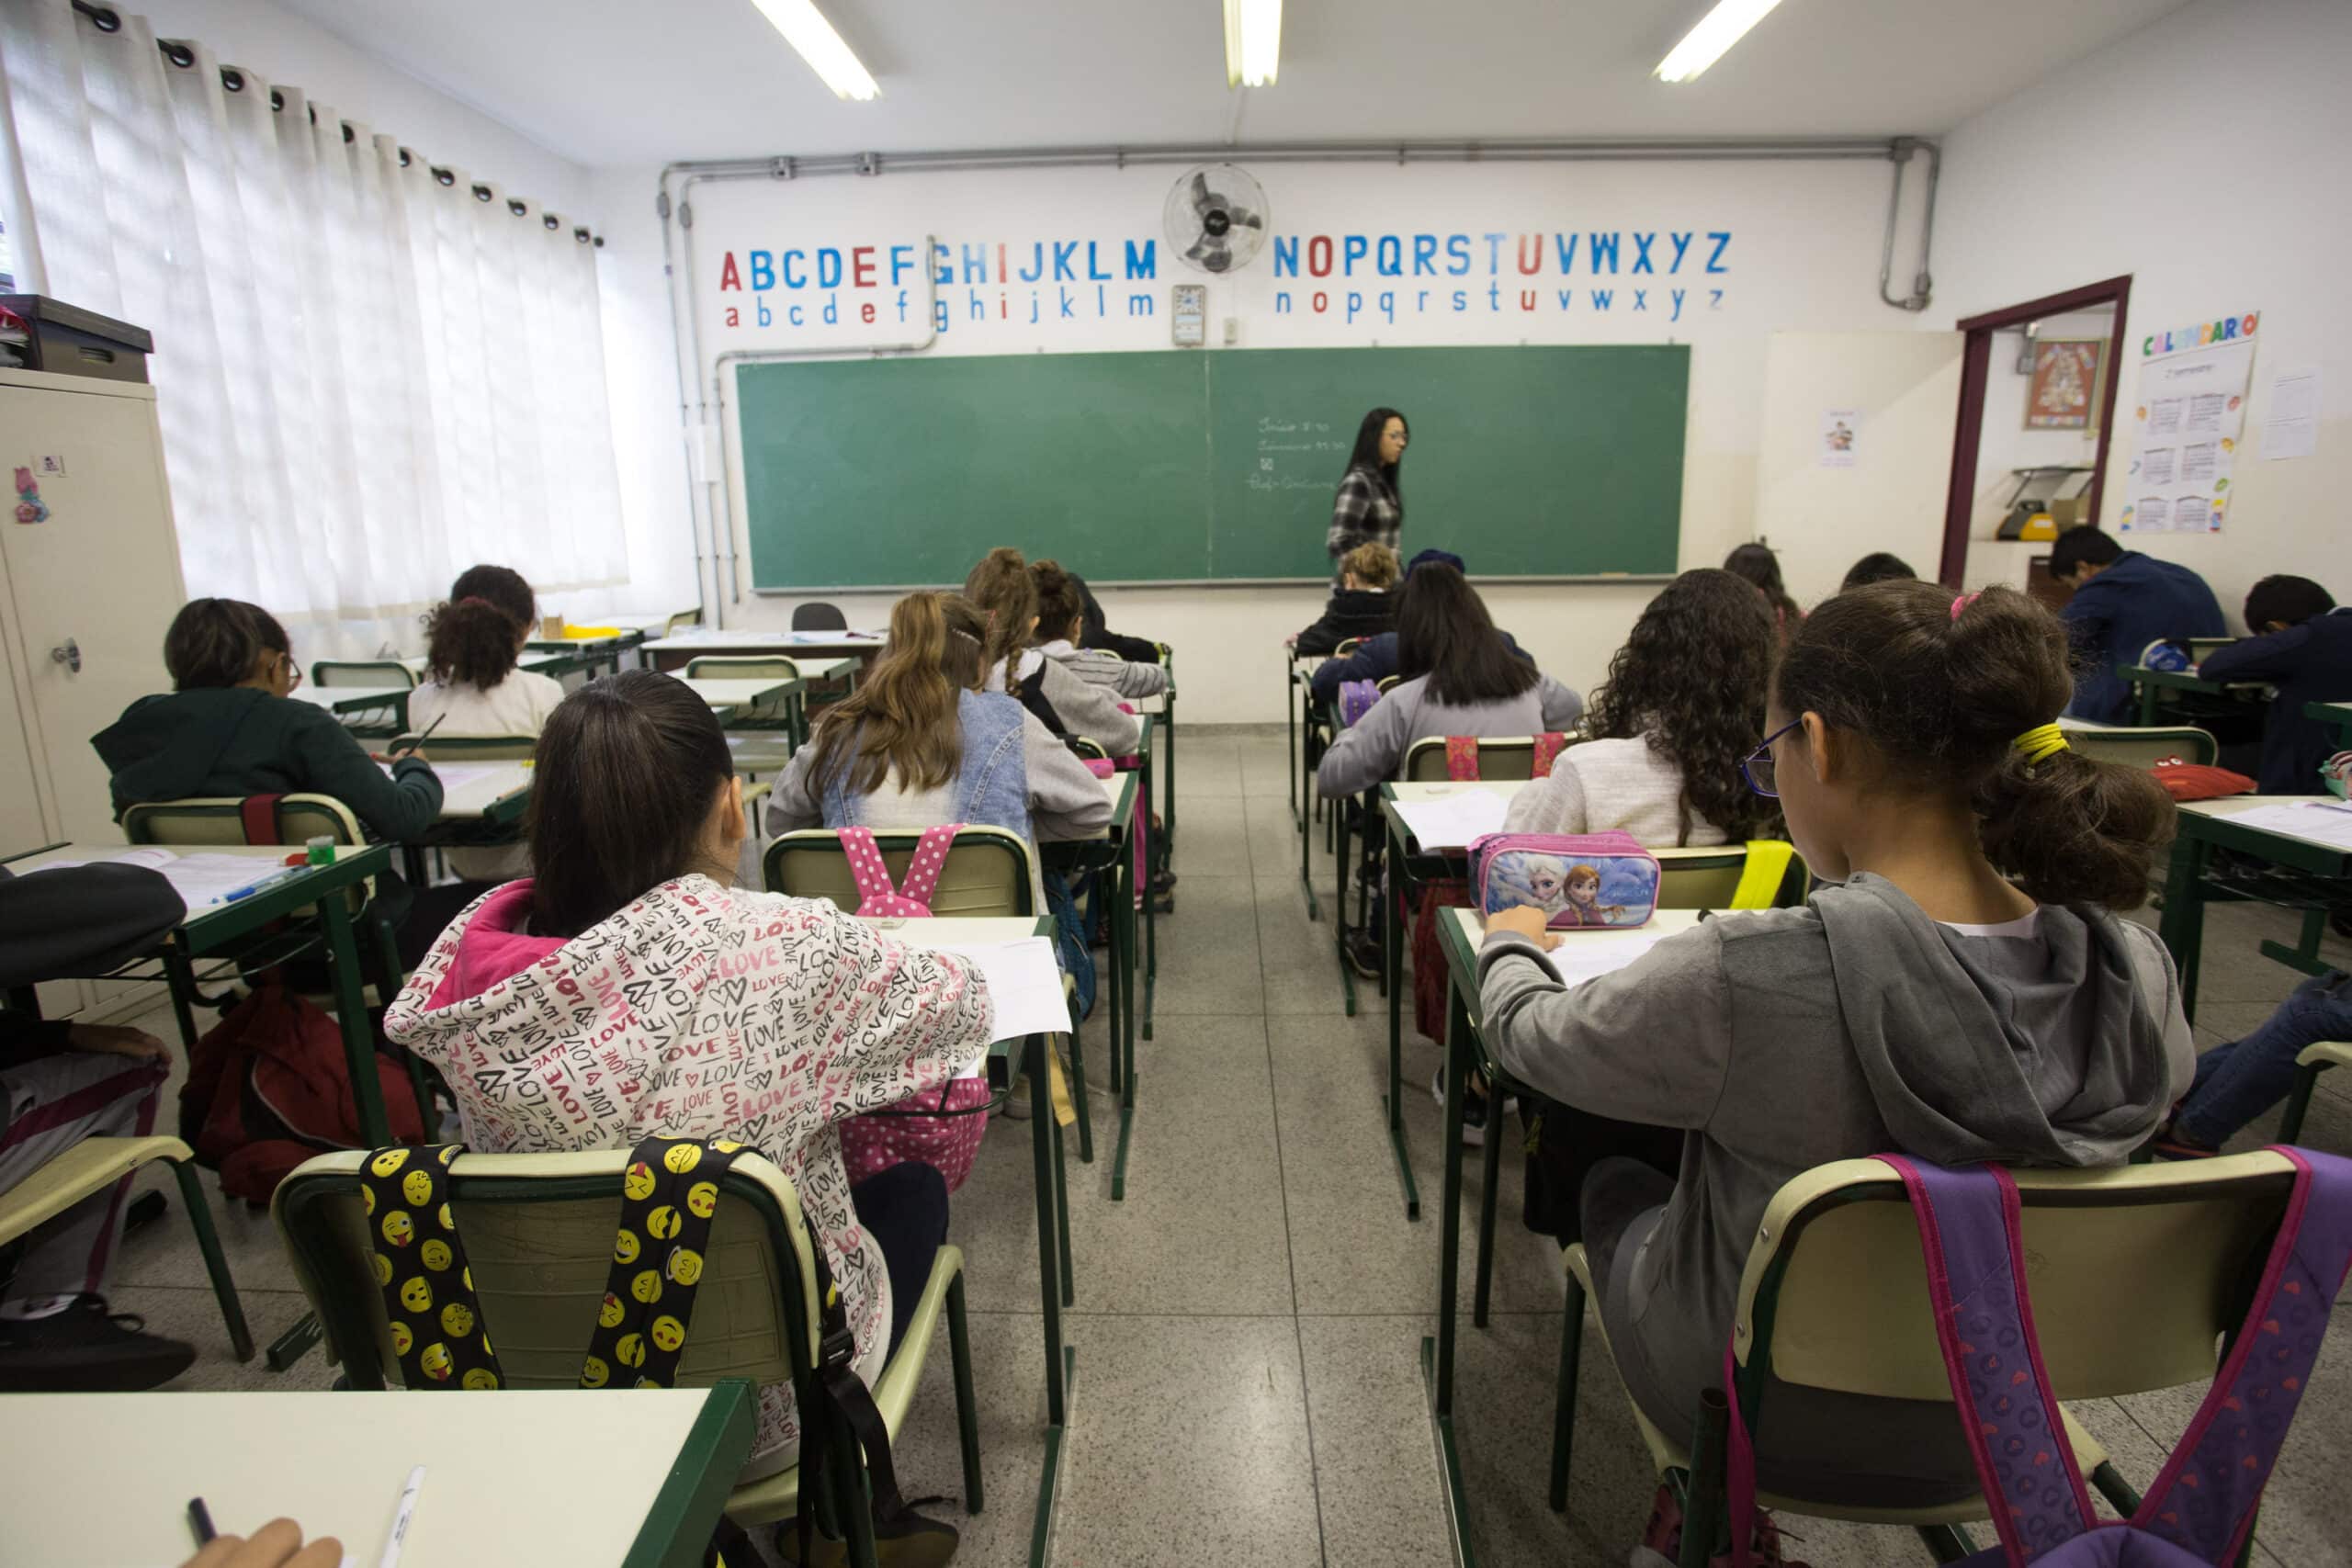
(23, 825)
(100, 576)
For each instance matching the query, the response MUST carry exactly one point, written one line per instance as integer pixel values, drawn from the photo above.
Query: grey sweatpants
(51, 1104)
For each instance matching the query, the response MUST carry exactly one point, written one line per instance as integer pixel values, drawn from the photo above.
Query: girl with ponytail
(1005, 593)
(920, 744)
(471, 688)
(1959, 986)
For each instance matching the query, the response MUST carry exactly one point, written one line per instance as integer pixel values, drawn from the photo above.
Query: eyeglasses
(1758, 768)
(293, 671)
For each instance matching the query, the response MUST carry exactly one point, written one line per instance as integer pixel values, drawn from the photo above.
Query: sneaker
(1474, 1111)
(1366, 953)
(1662, 1540)
(2171, 1143)
(86, 1350)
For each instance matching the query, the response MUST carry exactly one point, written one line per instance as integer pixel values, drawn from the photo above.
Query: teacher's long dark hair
(1367, 453)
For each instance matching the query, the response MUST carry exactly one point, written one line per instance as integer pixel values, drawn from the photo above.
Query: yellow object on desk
(589, 634)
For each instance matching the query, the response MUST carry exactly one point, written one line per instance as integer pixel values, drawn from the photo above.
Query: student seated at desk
(2124, 600)
(1098, 632)
(1360, 606)
(1877, 567)
(2303, 644)
(1002, 590)
(1061, 619)
(1959, 989)
(230, 728)
(919, 744)
(1760, 567)
(1683, 705)
(1375, 657)
(637, 821)
(472, 686)
(61, 1082)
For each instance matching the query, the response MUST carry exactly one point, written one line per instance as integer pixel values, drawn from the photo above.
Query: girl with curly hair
(1684, 702)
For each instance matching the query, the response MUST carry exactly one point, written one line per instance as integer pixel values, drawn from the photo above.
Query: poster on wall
(2065, 383)
(1841, 435)
(2190, 416)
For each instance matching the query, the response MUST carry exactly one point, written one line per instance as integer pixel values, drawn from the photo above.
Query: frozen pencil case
(1580, 881)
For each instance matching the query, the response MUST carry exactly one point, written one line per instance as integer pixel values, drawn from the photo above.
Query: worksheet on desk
(2323, 820)
(1579, 959)
(457, 775)
(1450, 821)
(1025, 983)
(199, 879)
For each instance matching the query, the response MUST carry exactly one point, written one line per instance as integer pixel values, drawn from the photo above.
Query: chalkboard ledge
(1604, 579)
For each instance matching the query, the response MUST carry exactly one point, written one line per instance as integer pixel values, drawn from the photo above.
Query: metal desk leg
(1290, 734)
(1061, 1368)
(1436, 1354)
(1168, 836)
(1150, 905)
(1106, 893)
(1306, 823)
(1122, 960)
(2183, 924)
(351, 1009)
(1395, 1101)
(1492, 1174)
(1340, 905)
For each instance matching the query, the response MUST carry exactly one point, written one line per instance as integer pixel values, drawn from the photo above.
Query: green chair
(751, 731)
(444, 745)
(1500, 757)
(2144, 748)
(2313, 1060)
(539, 1235)
(2137, 1273)
(362, 672)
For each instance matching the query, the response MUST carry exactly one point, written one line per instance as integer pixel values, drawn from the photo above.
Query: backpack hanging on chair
(2201, 1509)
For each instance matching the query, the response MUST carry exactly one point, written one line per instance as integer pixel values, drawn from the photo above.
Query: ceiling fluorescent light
(805, 28)
(1717, 32)
(1253, 42)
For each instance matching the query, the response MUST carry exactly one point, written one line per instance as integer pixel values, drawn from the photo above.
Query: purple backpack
(2201, 1507)
(1356, 699)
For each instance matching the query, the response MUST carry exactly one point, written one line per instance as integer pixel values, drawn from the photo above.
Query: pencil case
(1581, 881)
(1357, 698)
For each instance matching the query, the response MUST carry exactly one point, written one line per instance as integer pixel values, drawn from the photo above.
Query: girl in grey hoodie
(1958, 988)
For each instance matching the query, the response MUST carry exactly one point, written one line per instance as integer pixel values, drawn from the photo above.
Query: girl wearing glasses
(1959, 987)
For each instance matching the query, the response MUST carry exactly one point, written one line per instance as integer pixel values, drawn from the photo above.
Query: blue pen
(267, 882)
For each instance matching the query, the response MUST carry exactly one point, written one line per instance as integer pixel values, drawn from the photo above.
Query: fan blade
(1203, 197)
(1244, 219)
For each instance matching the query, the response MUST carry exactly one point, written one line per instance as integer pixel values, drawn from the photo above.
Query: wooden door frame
(1977, 358)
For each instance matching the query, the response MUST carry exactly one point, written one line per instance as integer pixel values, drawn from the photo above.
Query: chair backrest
(816, 615)
(1387, 683)
(473, 748)
(220, 820)
(537, 1230)
(988, 870)
(2134, 1272)
(680, 622)
(1500, 757)
(2145, 747)
(378, 673)
(755, 667)
(1087, 748)
(1700, 879)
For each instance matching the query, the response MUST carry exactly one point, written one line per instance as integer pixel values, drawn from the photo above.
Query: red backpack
(268, 1087)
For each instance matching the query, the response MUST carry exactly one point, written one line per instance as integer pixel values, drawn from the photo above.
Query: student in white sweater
(471, 686)
(1683, 704)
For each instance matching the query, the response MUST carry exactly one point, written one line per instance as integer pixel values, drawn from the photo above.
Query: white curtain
(370, 373)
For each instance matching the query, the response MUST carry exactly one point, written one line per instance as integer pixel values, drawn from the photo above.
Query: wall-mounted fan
(1216, 218)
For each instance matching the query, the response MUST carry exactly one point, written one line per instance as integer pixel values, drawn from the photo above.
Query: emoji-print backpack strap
(421, 1265)
(668, 1196)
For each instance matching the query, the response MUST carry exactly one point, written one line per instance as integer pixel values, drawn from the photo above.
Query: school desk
(579, 1476)
(2306, 874)
(1054, 1272)
(562, 656)
(2226, 698)
(731, 694)
(702, 642)
(2337, 715)
(1163, 708)
(1460, 935)
(1297, 669)
(1109, 857)
(1150, 725)
(348, 702)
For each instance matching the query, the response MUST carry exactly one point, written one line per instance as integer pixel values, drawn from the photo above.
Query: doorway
(2050, 365)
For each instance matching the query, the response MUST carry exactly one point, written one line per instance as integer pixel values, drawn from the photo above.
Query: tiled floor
(1248, 1320)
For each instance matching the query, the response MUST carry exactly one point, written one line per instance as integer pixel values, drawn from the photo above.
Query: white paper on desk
(1452, 821)
(1579, 959)
(457, 775)
(201, 879)
(152, 857)
(1025, 983)
(2330, 825)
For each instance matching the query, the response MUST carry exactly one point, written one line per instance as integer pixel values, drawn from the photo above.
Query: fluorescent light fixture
(1717, 32)
(1253, 42)
(805, 28)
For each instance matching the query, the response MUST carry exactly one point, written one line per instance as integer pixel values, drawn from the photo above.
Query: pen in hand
(418, 744)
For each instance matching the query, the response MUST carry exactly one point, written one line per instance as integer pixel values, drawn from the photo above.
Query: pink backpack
(2201, 1509)
(943, 1133)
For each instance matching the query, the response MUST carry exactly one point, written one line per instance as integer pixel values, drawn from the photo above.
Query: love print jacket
(698, 1012)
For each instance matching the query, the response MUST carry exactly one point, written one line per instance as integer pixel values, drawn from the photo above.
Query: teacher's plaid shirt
(1366, 511)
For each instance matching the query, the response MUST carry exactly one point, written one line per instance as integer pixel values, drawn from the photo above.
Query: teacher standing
(1370, 507)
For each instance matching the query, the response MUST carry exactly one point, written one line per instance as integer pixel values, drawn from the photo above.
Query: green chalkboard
(1173, 467)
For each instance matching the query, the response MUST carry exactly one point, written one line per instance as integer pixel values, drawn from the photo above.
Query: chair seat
(91, 1165)
(1667, 1454)
(775, 1497)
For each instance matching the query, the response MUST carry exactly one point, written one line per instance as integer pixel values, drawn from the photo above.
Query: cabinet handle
(68, 654)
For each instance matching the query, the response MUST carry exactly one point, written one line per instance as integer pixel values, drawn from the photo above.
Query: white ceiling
(626, 82)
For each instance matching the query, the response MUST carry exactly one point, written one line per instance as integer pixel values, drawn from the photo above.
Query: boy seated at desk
(2303, 644)
(2124, 600)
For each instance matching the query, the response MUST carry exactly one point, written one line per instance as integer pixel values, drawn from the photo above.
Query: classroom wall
(1799, 249)
(2203, 156)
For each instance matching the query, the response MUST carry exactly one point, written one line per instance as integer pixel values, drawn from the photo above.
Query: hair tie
(1963, 603)
(477, 599)
(2042, 740)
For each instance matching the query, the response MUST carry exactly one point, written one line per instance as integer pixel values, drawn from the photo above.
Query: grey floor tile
(1009, 1385)
(1208, 950)
(1298, 960)
(1268, 765)
(1376, 1469)
(1273, 833)
(193, 1316)
(1210, 839)
(166, 1252)
(1208, 763)
(1189, 1446)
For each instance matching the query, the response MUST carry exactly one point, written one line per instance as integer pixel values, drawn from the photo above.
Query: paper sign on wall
(1842, 436)
(2291, 428)
(2191, 420)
